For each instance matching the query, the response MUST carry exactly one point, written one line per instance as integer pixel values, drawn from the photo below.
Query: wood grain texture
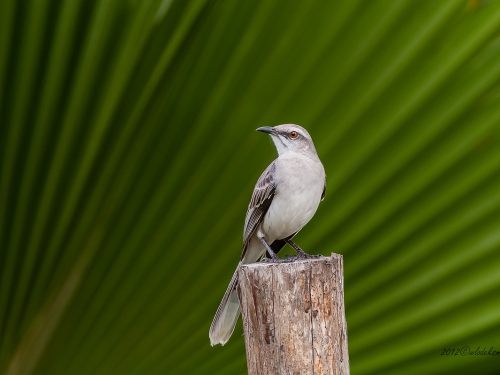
(294, 317)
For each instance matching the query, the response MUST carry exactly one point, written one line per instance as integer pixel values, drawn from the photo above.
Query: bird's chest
(299, 187)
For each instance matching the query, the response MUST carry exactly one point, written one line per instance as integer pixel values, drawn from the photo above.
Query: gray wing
(262, 197)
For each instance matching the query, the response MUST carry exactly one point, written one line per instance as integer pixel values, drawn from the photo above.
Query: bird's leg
(274, 256)
(301, 253)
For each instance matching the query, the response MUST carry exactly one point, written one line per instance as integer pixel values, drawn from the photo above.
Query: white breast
(300, 182)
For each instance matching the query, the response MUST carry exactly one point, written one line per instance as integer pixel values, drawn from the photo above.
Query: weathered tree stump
(294, 317)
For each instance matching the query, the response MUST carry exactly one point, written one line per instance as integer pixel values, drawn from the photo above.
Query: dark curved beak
(267, 129)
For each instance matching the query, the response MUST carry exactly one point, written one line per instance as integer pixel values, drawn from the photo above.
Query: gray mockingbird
(284, 199)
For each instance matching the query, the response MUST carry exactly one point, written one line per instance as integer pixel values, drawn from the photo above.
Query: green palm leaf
(128, 154)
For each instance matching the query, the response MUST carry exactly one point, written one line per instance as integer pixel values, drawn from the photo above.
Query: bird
(285, 198)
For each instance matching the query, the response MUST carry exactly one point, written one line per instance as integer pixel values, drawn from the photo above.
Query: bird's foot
(279, 260)
(301, 254)
(304, 255)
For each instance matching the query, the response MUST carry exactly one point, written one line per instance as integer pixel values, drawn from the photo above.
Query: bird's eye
(294, 134)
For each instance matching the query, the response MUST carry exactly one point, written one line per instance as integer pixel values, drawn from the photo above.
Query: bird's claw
(309, 256)
(292, 258)
(280, 260)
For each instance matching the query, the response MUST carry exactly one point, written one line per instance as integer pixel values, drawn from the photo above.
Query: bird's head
(290, 138)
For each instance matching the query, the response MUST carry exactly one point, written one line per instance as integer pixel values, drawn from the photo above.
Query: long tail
(227, 314)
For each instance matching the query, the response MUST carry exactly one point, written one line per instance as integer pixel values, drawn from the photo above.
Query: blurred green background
(128, 157)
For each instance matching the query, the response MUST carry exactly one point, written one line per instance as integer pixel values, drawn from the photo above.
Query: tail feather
(227, 314)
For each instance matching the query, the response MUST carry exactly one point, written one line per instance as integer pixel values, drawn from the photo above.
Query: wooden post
(294, 317)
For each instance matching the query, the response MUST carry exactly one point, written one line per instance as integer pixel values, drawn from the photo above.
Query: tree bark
(294, 317)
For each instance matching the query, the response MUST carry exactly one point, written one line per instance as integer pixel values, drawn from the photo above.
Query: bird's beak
(268, 130)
